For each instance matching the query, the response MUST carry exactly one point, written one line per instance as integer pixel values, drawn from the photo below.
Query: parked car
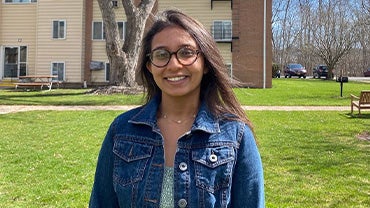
(367, 73)
(295, 70)
(320, 71)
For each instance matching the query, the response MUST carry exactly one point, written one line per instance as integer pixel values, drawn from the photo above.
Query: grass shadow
(358, 116)
(39, 93)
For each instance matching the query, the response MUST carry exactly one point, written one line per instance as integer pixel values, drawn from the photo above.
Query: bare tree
(285, 32)
(363, 16)
(305, 40)
(333, 33)
(366, 6)
(124, 58)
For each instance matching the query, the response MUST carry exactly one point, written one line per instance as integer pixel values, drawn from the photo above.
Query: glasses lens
(186, 56)
(160, 57)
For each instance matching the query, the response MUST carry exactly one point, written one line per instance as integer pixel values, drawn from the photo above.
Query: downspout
(86, 79)
(264, 44)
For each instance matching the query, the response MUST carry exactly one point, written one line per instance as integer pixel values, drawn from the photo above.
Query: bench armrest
(354, 97)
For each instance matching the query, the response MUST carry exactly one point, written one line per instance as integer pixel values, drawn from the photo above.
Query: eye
(186, 53)
(160, 54)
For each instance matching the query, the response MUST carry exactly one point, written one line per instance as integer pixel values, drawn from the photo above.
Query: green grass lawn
(301, 92)
(311, 159)
(284, 92)
(65, 97)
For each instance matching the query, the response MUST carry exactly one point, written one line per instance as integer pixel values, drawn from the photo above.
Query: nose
(173, 62)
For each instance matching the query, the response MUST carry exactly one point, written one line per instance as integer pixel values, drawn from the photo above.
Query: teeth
(174, 79)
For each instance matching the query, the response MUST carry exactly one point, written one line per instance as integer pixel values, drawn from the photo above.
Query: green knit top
(167, 188)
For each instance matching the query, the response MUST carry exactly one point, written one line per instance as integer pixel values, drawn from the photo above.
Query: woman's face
(182, 75)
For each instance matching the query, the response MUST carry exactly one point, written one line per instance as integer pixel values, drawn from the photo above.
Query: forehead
(172, 38)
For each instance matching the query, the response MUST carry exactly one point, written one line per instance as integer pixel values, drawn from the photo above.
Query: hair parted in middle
(216, 86)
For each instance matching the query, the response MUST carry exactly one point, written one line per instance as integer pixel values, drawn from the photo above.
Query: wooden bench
(35, 81)
(362, 102)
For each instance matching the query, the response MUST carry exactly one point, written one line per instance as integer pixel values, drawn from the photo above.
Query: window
(20, 1)
(107, 71)
(59, 31)
(22, 60)
(57, 69)
(115, 4)
(222, 30)
(15, 61)
(98, 31)
(121, 30)
(99, 34)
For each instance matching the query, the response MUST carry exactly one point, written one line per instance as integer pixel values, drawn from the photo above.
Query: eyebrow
(181, 46)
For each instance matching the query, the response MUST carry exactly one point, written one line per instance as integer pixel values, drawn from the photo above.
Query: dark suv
(295, 70)
(367, 73)
(320, 71)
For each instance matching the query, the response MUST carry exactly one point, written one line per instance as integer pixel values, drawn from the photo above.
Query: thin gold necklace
(178, 121)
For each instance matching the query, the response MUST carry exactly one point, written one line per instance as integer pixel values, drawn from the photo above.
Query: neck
(179, 108)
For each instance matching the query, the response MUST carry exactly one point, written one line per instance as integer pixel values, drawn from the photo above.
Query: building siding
(98, 46)
(31, 25)
(202, 11)
(68, 50)
(18, 29)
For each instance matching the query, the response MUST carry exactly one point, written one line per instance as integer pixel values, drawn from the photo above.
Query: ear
(149, 66)
(205, 70)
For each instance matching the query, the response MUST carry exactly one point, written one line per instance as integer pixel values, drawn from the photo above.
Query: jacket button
(183, 166)
(213, 158)
(182, 203)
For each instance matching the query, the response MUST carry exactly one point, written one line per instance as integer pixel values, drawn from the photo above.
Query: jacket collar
(204, 121)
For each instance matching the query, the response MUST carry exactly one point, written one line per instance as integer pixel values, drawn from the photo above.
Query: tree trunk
(124, 58)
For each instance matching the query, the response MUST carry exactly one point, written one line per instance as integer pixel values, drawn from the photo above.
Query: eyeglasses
(161, 57)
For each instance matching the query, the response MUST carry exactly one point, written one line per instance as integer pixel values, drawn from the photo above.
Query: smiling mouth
(175, 79)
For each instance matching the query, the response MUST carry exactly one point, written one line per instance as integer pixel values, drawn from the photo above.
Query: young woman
(191, 144)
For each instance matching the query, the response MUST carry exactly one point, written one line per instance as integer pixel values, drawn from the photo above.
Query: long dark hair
(216, 86)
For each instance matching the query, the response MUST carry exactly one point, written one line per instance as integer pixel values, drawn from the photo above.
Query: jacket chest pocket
(130, 161)
(213, 167)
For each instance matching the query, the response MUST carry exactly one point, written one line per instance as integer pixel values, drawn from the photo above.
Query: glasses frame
(150, 55)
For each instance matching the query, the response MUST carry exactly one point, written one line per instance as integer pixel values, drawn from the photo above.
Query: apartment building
(66, 38)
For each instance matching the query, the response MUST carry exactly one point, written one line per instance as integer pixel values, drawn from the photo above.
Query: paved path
(4, 109)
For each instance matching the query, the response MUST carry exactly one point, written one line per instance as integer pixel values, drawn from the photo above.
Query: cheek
(202, 66)
(155, 74)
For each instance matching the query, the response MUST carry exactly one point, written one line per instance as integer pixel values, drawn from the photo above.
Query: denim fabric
(217, 163)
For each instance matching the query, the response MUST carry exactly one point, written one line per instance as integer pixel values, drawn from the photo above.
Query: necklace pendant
(179, 121)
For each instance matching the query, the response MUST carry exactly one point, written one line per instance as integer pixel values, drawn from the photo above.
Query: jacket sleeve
(248, 184)
(103, 194)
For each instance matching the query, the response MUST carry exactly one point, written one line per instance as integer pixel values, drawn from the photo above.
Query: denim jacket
(217, 163)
